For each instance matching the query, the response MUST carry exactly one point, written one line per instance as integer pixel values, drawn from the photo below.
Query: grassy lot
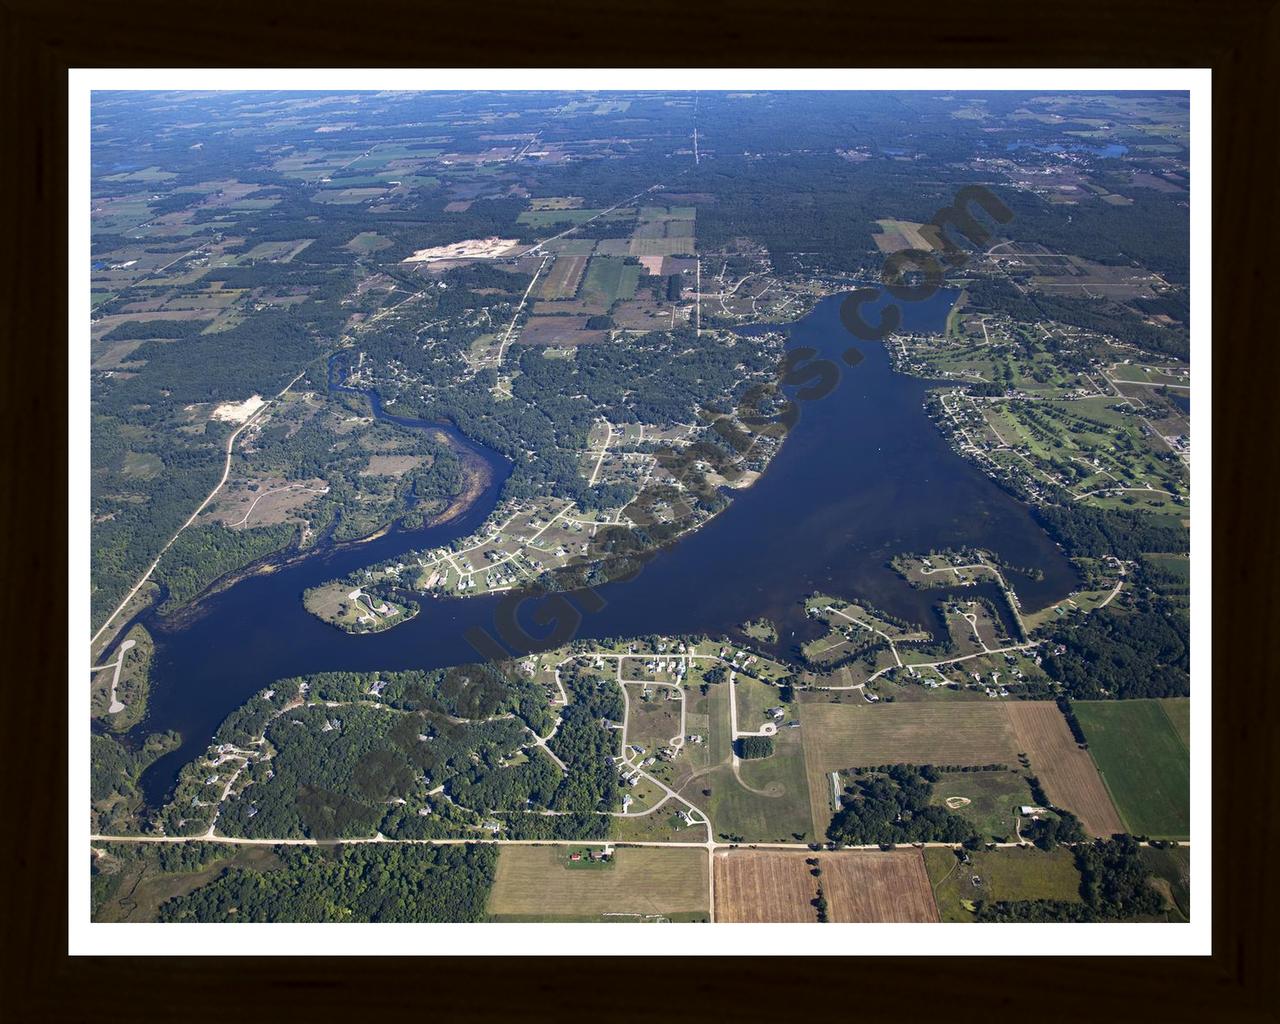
(1143, 761)
(652, 724)
(535, 883)
(1171, 875)
(753, 698)
(1021, 873)
(993, 800)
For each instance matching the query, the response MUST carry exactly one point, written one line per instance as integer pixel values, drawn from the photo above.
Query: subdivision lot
(535, 883)
(1068, 774)
(1007, 874)
(654, 723)
(764, 800)
(860, 886)
(1144, 763)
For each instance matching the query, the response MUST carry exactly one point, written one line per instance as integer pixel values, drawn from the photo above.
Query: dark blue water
(862, 476)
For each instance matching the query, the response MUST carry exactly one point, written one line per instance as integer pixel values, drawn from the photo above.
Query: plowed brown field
(1068, 775)
(860, 886)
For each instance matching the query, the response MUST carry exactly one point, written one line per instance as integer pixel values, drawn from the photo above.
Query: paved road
(115, 707)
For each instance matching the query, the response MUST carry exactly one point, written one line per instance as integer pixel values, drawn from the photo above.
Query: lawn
(1018, 873)
(1144, 763)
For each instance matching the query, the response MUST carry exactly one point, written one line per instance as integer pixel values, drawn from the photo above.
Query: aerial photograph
(616, 506)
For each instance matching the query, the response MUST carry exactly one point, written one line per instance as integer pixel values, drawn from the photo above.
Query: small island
(354, 609)
(762, 630)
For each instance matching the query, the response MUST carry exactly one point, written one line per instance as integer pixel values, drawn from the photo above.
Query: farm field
(609, 279)
(562, 280)
(1008, 874)
(839, 736)
(1179, 711)
(860, 886)
(895, 235)
(1144, 763)
(1066, 772)
(535, 883)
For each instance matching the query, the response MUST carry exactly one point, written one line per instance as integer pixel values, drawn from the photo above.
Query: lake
(864, 475)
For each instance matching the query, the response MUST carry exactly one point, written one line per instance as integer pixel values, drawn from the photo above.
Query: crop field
(609, 279)
(860, 886)
(1179, 711)
(1011, 873)
(535, 883)
(681, 245)
(1067, 773)
(839, 736)
(757, 886)
(550, 217)
(562, 281)
(1143, 761)
(965, 733)
(558, 330)
(895, 235)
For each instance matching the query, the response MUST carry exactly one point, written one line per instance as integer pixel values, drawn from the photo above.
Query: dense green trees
(349, 883)
(893, 807)
(586, 746)
(752, 747)
(1122, 652)
(1094, 533)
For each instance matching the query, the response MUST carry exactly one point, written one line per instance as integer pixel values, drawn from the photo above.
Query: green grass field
(993, 800)
(1144, 762)
(609, 279)
(1021, 873)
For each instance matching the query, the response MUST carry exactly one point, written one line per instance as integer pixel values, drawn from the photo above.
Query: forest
(373, 883)
(893, 807)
